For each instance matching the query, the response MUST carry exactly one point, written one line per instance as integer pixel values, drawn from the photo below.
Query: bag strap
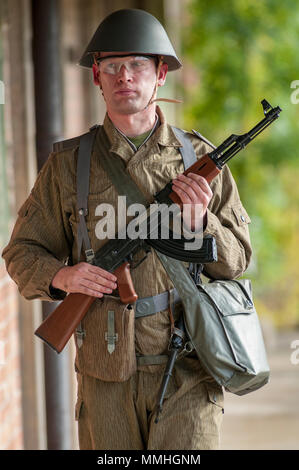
(83, 172)
(187, 150)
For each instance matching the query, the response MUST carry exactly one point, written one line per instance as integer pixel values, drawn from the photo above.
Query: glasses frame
(98, 59)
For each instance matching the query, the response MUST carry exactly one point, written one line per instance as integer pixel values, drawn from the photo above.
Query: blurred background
(234, 55)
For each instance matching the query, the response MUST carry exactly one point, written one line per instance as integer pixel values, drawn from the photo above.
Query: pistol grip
(125, 284)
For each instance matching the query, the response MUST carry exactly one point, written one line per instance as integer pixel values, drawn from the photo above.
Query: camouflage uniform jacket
(45, 233)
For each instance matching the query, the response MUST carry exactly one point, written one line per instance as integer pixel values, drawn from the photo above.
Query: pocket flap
(242, 218)
(230, 297)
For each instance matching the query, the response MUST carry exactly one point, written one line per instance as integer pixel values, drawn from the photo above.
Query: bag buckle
(89, 254)
(110, 336)
(80, 335)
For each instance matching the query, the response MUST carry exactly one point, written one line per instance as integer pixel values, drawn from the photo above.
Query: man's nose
(124, 74)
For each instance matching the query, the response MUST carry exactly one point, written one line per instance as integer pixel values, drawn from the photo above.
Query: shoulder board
(69, 143)
(66, 144)
(206, 141)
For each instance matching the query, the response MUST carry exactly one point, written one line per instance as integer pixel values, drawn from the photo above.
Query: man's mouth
(125, 92)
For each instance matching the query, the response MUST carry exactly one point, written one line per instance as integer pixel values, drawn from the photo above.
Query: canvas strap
(83, 172)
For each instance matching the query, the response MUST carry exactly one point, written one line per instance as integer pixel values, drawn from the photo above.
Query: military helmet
(131, 30)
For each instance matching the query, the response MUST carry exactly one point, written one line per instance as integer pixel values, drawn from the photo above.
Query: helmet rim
(134, 31)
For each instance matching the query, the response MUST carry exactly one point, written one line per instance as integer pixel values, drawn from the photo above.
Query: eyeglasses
(134, 64)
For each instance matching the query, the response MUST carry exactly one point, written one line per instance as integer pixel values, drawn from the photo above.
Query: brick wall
(11, 432)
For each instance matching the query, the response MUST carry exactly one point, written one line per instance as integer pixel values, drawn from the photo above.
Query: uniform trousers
(121, 415)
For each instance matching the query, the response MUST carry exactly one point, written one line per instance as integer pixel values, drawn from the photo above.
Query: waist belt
(151, 360)
(151, 305)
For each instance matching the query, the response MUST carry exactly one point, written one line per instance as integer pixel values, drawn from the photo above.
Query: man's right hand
(85, 279)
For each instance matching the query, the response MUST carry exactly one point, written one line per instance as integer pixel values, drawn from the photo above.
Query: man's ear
(96, 79)
(162, 74)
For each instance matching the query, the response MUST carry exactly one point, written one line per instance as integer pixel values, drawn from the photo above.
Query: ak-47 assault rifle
(116, 254)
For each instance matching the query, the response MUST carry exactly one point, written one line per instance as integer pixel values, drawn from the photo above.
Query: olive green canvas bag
(224, 329)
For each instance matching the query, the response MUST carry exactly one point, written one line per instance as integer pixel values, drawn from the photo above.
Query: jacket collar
(163, 136)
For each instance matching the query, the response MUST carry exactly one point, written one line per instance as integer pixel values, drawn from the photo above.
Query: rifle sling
(83, 172)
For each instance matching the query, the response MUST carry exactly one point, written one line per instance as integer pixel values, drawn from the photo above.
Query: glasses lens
(112, 65)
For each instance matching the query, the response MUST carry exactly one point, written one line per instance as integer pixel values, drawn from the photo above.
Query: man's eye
(141, 63)
(110, 67)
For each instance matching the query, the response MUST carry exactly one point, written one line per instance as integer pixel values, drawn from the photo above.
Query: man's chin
(130, 108)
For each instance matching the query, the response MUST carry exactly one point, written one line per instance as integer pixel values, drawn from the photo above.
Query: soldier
(130, 55)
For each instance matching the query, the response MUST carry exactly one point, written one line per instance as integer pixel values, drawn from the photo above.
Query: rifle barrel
(231, 146)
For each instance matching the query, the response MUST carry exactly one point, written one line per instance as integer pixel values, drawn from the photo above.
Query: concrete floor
(268, 418)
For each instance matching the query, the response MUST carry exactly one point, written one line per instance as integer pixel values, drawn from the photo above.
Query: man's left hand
(195, 190)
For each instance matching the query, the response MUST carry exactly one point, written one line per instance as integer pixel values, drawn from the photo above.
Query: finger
(197, 183)
(200, 181)
(87, 291)
(183, 195)
(93, 286)
(99, 280)
(201, 191)
(186, 188)
(93, 273)
(195, 193)
(102, 272)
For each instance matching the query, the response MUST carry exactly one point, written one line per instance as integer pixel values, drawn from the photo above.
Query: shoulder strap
(83, 172)
(189, 157)
(187, 150)
(66, 144)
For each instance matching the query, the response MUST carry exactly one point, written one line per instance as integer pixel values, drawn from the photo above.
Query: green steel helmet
(131, 30)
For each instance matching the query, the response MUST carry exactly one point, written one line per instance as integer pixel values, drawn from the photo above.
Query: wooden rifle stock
(59, 326)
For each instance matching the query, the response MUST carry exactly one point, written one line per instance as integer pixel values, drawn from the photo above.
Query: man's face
(127, 81)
